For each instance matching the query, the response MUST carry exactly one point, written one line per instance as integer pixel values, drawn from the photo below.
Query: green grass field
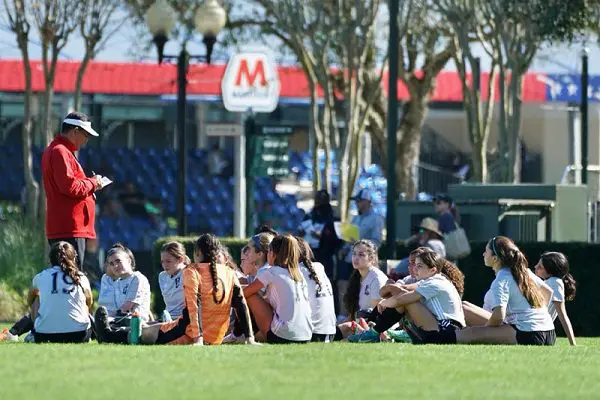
(316, 371)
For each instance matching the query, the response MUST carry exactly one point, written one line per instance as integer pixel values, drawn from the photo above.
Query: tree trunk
(77, 96)
(515, 127)
(32, 186)
(503, 131)
(408, 148)
(317, 138)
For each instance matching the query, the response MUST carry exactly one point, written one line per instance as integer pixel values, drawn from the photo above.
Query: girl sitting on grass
(553, 267)
(173, 260)
(434, 306)
(285, 317)
(320, 293)
(210, 291)
(60, 299)
(364, 285)
(518, 300)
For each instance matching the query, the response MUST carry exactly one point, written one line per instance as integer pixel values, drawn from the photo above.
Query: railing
(434, 179)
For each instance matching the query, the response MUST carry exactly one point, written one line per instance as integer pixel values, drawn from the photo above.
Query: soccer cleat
(232, 339)
(368, 336)
(399, 336)
(101, 324)
(6, 336)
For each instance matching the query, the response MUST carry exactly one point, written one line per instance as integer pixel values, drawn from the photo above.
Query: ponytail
(210, 247)
(352, 294)
(454, 275)
(63, 255)
(556, 264)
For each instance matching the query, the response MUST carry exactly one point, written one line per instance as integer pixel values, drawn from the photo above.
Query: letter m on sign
(251, 76)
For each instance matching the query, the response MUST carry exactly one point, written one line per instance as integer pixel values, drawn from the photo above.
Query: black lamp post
(392, 126)
(209, 20)
(584, 115)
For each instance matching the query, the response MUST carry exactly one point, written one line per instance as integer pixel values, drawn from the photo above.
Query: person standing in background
(447, 213)
(70, 199)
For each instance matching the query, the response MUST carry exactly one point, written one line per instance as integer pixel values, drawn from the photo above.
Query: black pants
(78, 244)
(70, 337)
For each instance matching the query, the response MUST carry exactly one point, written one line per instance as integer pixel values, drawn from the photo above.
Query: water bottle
(135, 331)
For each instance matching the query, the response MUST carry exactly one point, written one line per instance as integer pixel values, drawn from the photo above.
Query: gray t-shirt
(441, 298)
(370, 287)
(321, 300)
(558, 294)
(171, 288)
(63, 307)
(292, 317)
(108, 295)
(506, 293)
(136, 289)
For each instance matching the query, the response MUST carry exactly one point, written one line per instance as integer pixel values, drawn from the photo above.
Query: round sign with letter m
(250, 82)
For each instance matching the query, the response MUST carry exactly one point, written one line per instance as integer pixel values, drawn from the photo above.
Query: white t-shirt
(136, 289)
(558, 294)
(441, 298)
(506, 293)
(321, 300)
(63, 308)
(292, 319)
(171, 288)
(370, 287)
(108, 295)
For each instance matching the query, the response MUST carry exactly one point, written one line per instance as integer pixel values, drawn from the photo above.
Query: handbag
(457, 244)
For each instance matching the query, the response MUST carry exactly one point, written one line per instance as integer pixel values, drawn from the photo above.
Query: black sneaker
(101, 324)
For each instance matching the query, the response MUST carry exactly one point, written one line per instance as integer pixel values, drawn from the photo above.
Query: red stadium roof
(153, 79)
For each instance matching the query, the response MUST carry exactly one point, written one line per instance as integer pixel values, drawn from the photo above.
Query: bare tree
(322, 35)
(464, 19)
(425, 47)
(18, 17)
(97, 24)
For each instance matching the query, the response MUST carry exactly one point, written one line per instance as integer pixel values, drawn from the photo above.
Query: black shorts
(274, 339)
(536, 338)
(320, 337)
(446, 333)
(68, 337)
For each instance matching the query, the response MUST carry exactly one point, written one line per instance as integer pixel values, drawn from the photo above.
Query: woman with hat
(428, 235)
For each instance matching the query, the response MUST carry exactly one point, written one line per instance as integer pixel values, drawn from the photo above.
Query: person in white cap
(70, 200)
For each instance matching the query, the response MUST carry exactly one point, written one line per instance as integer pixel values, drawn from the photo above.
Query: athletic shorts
(274, 339)
(536, 338)
(173, 333)
(446, 333)
(68, 337)
(320, 337)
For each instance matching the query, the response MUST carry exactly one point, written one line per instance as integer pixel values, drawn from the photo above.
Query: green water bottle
(135, 331)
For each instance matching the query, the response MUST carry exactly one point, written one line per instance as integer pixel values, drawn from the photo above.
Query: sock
(22, 326)
(388, 318)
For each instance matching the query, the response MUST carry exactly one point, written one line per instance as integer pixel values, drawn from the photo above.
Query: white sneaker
(6, 336)
(232, 339)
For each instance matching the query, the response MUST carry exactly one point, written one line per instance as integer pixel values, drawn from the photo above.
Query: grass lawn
(316, 371)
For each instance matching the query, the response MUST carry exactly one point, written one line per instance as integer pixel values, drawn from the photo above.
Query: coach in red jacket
(70, 200)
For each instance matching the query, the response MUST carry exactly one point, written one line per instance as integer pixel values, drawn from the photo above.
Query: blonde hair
(177, 250)
(287, 255)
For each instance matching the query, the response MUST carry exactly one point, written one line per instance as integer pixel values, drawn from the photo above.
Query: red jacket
(70, 204)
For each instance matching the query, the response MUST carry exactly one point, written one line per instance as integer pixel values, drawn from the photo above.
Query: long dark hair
(511, 256)
(307, 257)
(556, 264)
(63, 255)
(209, 246)
(352, 294)
(433, 260)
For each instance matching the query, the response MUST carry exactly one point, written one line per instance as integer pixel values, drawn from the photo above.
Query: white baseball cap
(85, 125)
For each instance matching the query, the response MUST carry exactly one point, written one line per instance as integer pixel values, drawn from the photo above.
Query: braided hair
(307, 257)
(209, 246)
(63, 255)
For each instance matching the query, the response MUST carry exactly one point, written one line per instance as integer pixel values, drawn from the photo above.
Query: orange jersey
(208, 318)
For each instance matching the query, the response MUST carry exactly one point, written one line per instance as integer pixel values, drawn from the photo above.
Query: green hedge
(584, 311)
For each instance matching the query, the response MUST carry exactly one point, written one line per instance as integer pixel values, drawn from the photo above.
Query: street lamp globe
(160, 19)
(210, 19)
